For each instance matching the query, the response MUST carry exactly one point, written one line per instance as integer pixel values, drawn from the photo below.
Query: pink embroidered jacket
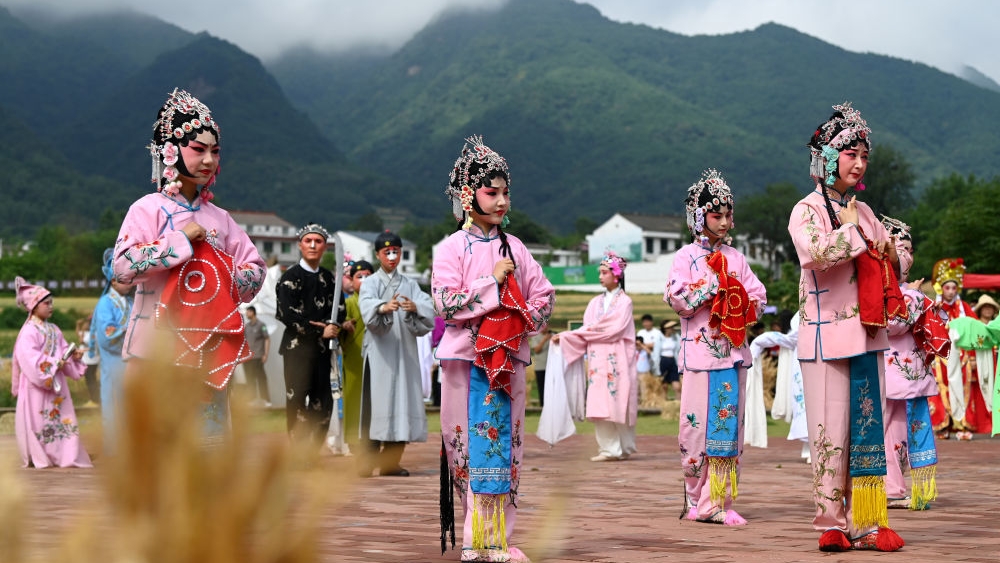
(831, 326)
(151, 243)
(464, 289)
(906, 375)
(690, 289)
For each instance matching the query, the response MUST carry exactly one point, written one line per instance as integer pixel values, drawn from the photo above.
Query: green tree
(962, 226)
(368, 222)
(764, 216)
(927, 222)
(890, 180)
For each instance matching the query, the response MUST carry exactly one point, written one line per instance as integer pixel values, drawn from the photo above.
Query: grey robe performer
(395, 311)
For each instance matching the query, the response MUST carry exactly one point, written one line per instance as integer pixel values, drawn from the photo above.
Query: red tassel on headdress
(732, 311)
(501, 334)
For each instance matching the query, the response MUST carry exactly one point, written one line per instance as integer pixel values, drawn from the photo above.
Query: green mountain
(50, 78)
(41, 187)
(274, 158)
(135, 37)
(596, 116)
(87, 91)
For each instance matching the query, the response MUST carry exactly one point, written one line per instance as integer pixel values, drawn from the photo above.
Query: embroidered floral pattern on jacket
(150, 254)
(454, 301)
(824, 253)
(717, 347)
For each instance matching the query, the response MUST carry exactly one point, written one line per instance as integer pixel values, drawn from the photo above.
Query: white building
(272, 235)
(638, 238)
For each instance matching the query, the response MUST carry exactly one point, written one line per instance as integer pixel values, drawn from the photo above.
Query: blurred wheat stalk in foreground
(168, 499)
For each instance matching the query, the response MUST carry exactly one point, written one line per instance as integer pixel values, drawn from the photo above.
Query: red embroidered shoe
(883, 539)
(834, 540)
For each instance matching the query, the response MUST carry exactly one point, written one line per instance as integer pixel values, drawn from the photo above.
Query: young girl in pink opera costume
(717, 296)
(606, 341)
(192, 264)
(492, 295)
(48, 432)
(848, 291)
(914, 342)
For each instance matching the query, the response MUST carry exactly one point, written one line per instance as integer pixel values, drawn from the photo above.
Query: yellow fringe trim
(923, 489)
(489, 522)
(718, 468)
(869, 503)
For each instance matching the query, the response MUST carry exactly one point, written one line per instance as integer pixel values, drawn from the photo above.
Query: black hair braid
(505, 246)
(829, 209)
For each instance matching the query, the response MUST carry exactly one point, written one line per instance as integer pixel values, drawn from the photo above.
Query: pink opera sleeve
(610, 328)
(142, 250)
(818, 247)
(38, 368)
(250, 267)
(914, 301)
(454, 299)
(689, 285)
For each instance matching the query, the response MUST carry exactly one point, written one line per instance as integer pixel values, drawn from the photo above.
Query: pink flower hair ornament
(615, 263)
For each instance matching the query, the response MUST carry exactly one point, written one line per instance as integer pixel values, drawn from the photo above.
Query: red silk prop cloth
(200, 307)
(879, 297)
(501, 334)
(732, 311)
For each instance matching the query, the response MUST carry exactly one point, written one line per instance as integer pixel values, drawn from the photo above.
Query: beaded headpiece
(709, 193)
(181, 118)
(844, 128)
(899, 231)
(470, 172)
(615, 263)
(312, 228)
(28, 296)
(896, 228)
(948, 270)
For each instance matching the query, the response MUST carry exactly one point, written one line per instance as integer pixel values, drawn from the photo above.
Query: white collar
(305, 266)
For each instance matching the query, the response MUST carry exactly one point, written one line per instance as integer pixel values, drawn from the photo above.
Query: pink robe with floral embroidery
(691, 287)
(607, 342)
(47, 429)
(828, 294)
(464, 291)
(151, 243)
(906, 375)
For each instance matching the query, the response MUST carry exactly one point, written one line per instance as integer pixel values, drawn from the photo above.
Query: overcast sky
(939, 33)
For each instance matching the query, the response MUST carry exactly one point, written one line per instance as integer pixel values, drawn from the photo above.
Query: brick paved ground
(576, 510)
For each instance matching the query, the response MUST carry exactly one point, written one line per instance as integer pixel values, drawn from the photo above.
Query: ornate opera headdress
(948, 270)
(616, 264)
(900, 231)
(708, 194)
(179, 121)
(896, 228)
(471, 171)
(843, 130)
(313, 228)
